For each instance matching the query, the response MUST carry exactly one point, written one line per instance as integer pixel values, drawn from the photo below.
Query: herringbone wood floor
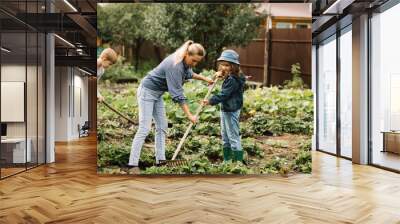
(70, 191)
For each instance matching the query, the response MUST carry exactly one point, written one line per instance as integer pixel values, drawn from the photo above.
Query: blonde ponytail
(190, 48)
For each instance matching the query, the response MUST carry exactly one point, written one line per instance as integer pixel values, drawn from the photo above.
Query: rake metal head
(173, 163)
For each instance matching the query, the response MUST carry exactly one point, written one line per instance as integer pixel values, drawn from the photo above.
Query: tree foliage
(123, 24)
(215, 26)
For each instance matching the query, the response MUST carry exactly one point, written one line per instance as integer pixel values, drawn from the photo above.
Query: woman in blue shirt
(168, 76)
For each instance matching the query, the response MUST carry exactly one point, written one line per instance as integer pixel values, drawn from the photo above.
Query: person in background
(107, 58)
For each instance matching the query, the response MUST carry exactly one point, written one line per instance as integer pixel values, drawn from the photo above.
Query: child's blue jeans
(230, 130)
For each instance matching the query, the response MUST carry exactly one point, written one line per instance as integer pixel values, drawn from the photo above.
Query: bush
(123, 71)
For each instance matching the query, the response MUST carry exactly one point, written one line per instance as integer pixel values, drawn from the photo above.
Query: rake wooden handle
(117, 112)
(191, 124)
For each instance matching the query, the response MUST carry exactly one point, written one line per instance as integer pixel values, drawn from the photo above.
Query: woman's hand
(210, 81)
(193, 119)
(189, 115)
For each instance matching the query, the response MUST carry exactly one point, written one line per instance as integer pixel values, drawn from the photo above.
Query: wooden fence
(286, 47)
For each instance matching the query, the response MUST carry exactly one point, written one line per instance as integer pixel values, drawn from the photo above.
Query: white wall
(61, 103)
(71, 94)
(287, 9)
(12, 73)
(81, 94)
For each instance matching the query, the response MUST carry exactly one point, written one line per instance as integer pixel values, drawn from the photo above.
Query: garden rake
(117, 112)
(174, 162)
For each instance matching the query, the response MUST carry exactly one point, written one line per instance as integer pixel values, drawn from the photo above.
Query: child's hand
(205, 102)
(219, 74)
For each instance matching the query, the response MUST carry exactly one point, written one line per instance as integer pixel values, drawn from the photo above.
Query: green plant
(207, 128)
(303, 160)
(147, 158)
(305, 145)
(193, 144)
(263, 124)
(296, 82)
(176, 131)
(230, 168)
(279, 111)
(112, 154)
(212, 149)
(158, 170)
(252, 148)
(266, 111)
(277, 165)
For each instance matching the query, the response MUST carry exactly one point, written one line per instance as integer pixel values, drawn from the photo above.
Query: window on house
(301, 25)
(283, 25)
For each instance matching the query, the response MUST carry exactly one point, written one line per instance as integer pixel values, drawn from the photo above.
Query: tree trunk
(266, 79)
(137, 53)
(129, 54)
(157, 51)
(219, 51)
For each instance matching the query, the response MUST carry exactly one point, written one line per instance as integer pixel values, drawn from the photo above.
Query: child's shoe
(237, 156)
(227, 154)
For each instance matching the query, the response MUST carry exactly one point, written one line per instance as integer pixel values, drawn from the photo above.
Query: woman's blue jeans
(151, 105)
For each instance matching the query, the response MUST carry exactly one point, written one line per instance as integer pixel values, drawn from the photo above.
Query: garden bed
(276, 126)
